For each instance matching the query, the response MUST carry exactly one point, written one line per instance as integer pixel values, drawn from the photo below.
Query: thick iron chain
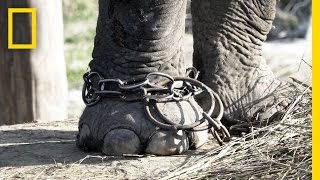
(152, 91)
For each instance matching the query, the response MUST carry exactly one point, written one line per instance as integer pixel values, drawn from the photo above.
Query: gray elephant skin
(134, 38)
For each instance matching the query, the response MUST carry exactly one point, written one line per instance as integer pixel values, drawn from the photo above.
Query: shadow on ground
(54, 143)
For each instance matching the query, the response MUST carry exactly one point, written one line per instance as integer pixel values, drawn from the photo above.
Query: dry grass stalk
(281, 150)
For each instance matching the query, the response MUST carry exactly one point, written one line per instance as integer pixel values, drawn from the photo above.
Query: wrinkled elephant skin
(134, 38)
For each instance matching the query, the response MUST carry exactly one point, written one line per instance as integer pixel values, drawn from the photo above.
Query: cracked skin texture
(134, 38)
(228, 53)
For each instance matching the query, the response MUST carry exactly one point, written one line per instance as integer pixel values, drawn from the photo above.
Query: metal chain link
(152, 92)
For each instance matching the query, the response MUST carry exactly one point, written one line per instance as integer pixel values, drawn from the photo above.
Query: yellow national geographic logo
(33, 13)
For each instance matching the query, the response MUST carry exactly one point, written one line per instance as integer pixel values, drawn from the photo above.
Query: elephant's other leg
(228, 36)
(134, 38)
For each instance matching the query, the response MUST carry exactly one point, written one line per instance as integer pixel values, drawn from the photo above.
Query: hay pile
(281, 150)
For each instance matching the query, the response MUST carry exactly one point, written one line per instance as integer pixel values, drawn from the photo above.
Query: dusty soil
(48, 151)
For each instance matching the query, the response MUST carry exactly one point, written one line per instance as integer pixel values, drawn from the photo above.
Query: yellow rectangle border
(315, 91)
(33, 12)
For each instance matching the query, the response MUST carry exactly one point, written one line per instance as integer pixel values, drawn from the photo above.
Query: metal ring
(220, 115)
(183, 98)
(103, 81)
(214, 123)
(130, 99)
(202, 86)
(161, 75)
(211, 121)
(194, 71)
(155, 121)
(161, 98)
(88, 75)
(216, 136)
(179, 126)
(225, 135)
(125, 85)
(152, 94)
(198, 122)
(92, 101)
(170, 78)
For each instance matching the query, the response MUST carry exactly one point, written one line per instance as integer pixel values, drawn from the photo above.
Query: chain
(155, 88)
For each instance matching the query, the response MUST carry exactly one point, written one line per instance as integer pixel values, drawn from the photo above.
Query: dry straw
(281, 150)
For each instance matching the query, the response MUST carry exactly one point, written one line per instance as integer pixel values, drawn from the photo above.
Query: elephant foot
(228, 54)
(256, 99)
(116, 127)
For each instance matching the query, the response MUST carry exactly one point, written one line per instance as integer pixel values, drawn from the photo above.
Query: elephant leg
(134, 38)
(228, 37)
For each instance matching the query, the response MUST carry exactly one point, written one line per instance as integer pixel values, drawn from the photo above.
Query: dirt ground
(48, 150)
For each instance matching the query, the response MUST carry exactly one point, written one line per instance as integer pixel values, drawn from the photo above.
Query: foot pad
(121, 141)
